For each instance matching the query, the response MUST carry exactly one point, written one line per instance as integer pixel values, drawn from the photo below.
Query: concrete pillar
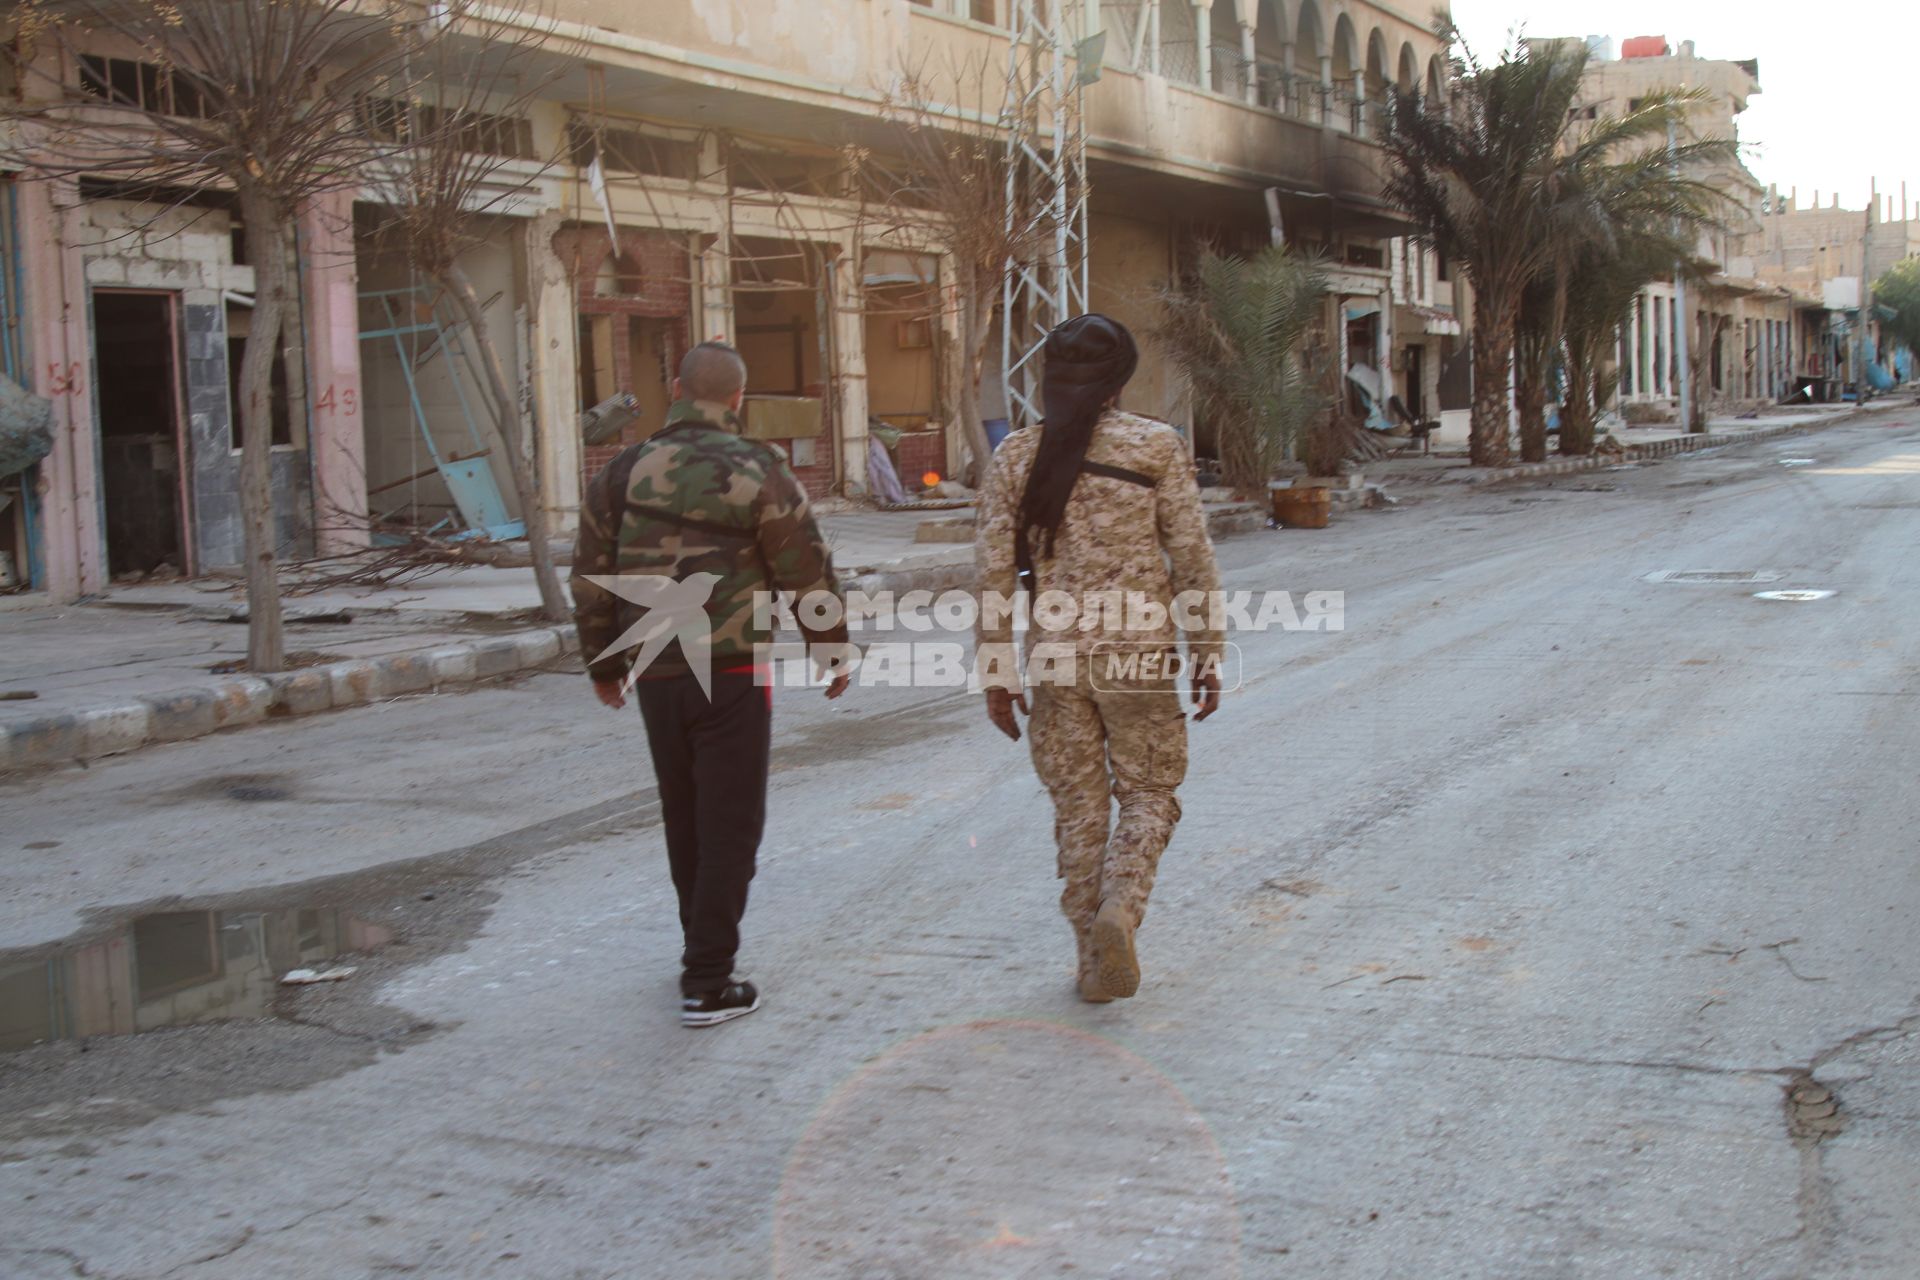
(1203, 41)
(1358, 119)
(1153, 36)
(338, 438)
(60, 367)
(848, 379)
(552, 370)
(1326, 87)
(1251, 89)
(713, 314)
(1289, 71)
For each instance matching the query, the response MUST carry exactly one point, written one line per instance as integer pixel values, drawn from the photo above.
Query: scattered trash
(17, 695)
(1797, 462)
(307, 977)
(1791, 597)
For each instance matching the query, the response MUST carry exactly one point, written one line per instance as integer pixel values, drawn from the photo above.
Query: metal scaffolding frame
(1046, 206)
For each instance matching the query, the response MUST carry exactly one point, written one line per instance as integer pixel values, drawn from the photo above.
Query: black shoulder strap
(619, 476)
(1023, 552)
(1118, 473)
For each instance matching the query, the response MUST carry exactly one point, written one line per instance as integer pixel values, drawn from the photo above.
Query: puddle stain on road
(169, 969)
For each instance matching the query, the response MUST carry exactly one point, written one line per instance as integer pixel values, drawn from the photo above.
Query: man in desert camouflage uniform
(697, 521)
(1107, 721)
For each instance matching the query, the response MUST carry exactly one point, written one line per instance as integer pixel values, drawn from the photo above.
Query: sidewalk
(1450, 466)
(154, 662)
(150, 663)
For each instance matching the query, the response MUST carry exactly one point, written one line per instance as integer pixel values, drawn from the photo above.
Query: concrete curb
(1657, 449)
(242, 699)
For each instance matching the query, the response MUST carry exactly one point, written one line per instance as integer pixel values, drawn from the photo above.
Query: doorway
(1417, 382)
(142, 458)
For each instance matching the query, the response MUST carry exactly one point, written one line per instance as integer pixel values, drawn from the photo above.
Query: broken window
(798, 174)
(145, 86)
(239, 321)
(1361, 255)
(631, 151)
(391, 120)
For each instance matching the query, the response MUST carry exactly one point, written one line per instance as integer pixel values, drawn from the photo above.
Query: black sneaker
(735, 1000)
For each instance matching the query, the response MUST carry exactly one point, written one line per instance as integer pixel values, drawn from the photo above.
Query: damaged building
(696, 171)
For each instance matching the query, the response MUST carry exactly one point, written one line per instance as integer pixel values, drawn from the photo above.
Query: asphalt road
(1546, 921)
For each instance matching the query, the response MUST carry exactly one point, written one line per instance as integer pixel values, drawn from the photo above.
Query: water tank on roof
(1600, 48)
(1644, 47)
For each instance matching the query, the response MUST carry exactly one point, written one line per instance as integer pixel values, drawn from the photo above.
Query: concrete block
(107, 731)
(496, 656)
(403, 673)
(243, 700)
(187, 714)
(299, 693)
(537, 648)
(352, 683)
(44, 740)
(452, 664)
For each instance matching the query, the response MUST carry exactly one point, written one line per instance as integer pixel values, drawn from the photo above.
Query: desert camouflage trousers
(1097, 741)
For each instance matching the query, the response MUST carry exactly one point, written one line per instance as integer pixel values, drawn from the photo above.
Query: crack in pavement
(249, 1234)
(1813, 1114)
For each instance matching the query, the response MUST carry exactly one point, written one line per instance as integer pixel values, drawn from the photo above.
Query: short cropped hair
(712, 371)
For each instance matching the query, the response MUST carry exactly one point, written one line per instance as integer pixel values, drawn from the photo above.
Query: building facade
(697, 170)
(1733, 338)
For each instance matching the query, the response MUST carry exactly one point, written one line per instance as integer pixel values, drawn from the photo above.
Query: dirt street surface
(1552, 919)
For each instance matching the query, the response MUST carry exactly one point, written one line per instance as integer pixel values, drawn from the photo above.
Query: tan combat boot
(1115, 964)
(1091, 989)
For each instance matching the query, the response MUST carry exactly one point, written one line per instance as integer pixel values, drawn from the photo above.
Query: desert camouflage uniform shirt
(698, 499)
(1143, 531)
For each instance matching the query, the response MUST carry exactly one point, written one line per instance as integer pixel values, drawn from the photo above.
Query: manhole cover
(1713, 575)
(1792, 597)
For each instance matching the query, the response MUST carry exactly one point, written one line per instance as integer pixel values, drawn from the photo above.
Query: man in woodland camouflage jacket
(688, 533)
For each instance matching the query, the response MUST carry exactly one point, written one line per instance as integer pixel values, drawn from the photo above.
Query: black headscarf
(1088, 360)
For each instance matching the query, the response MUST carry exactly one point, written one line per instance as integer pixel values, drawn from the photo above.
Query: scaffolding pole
(1045, 282)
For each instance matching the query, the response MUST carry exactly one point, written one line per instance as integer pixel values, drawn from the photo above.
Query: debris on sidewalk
(307, 977)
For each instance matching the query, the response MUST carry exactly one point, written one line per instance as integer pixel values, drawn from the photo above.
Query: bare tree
(952, 186)
(254, 100)
(470, 85)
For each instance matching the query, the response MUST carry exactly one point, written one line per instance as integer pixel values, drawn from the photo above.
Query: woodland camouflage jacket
(697, 498)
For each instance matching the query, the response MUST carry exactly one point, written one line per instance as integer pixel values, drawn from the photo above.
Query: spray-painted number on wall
(348, 403)
(64, 379)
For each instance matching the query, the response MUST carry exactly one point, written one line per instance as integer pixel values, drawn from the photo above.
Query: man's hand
(839, 685)
(1000, 705)
(1206, 695)
(611, 693)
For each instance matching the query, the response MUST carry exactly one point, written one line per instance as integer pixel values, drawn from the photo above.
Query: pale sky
(1837, 79)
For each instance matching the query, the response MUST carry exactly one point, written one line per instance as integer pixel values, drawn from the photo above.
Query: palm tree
(1600, 292)
(1495, 183)
(1635, 207)
(1234, 329)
